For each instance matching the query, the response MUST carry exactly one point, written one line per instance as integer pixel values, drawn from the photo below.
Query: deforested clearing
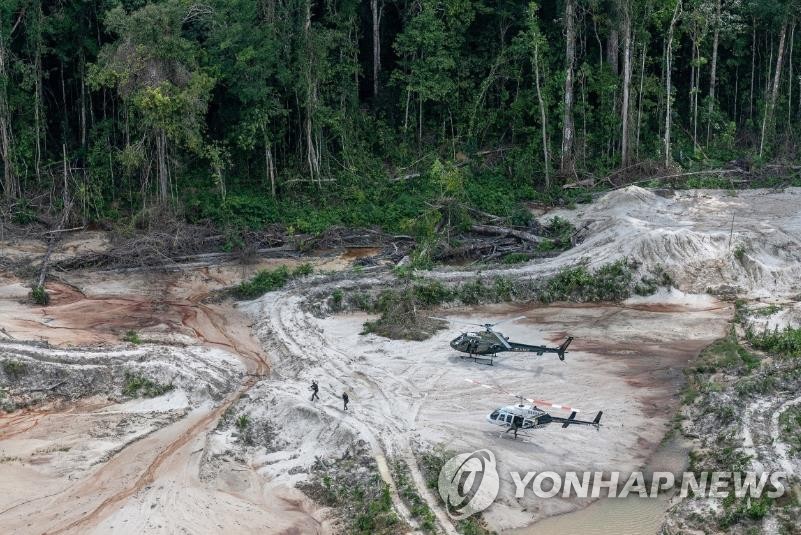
(137, 401)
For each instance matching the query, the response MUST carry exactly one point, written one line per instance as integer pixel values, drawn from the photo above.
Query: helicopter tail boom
(539, 350)
(571, 420)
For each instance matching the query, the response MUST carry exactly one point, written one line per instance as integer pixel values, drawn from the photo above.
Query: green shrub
(39, 295)
(302, 270)
(725, 354)
(471, 292)
(336, 299)
(138, 386)
(431, 294)
(516, 258)
(266, 280)
(560, 231)
(242, 422)
(610, 282)
(132, 337)
(15, 368)
(739, 253)
(785, 342)
(790, 425)
(269, 280)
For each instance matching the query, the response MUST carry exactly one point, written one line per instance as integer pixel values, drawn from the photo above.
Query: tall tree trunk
(406, 113)
(753, 69)
(624, 111)
(37, 114)
(570, 59)
(775, 90)
(668, 88)
(161, 165)
(613, 50)
(269, 164)
(10, 180)
(694, 85)
(639, 99)
(419, 118)
(312, 152)
(790, 78)
(713, 71)
(376, 14)
(543, 117)
(83, 103)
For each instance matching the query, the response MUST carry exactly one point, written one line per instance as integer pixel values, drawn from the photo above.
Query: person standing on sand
(314, 389)
(345, 399)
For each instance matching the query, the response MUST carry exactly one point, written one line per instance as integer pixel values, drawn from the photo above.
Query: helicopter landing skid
(480, 359)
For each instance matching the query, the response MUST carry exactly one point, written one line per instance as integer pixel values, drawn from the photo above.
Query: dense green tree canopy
(261, 110)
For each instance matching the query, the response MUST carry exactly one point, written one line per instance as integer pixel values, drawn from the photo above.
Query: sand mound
(716, 242)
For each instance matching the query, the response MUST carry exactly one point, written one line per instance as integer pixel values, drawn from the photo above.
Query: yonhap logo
(468, 483)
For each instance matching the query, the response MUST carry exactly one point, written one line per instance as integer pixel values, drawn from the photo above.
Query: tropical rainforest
(314, 113)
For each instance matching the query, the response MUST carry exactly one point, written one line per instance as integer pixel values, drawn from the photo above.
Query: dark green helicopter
(485, 345)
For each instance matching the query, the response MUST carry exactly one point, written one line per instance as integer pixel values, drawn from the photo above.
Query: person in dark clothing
(517, 421)
(314, 389)
(345, 399)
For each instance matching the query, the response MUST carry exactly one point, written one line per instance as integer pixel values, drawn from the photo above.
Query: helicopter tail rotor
(569, 419)
(597, 421)
(563, 348)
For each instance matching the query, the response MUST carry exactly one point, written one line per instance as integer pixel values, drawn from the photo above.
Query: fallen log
(494, 230)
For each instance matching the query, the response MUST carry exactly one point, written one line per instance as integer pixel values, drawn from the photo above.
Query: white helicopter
(522, 416)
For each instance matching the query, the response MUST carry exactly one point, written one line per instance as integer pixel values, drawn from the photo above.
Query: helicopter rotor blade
(456, 321)
(507, 321)
(538, 402)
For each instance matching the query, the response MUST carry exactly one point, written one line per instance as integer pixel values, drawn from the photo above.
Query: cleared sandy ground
(164, 466)
(626, 360)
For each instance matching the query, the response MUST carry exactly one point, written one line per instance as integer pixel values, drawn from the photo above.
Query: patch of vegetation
(742, 510)
(15, 368)
(132, 337)
(724, 454)
(790, 426)
(611, 282)
(418, 508)
(139, 386)
(724, 354)
(516, 258)
(739, 253)
(650, 283)
(353, 487)
(335, 301)
(403, 311)
(785, 342)
(23, 213)
(431, 463)
(269, 280)
(560, 231)
(761, 385)
(766, 311)
(242, 422)
(39, 295)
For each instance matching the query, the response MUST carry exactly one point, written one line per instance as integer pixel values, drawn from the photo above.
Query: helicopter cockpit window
(494, 415)
(508, 418)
